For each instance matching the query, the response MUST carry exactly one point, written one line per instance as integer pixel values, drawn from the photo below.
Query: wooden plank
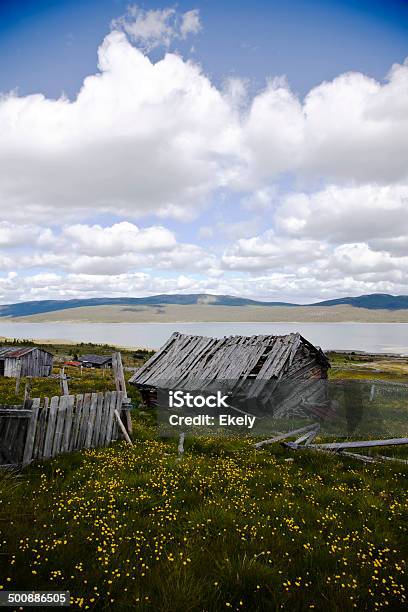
(27, 388)
(311, 437)
(109, 425)
(109, 418)
(116, 431)
(341, 453)
(41, 429)
(98, 419)
(385, 458)
(120, 398)
(125, 413)
(104, 418)
(64, 383)
(18, 377)
(180, 447)
(283, 436)
(83, 427)
(65, 444)
(120, 384)
(118, 372)
(361, 444)
(76, 422)
(91, 419)
(59, 425)
(123, 428)
(308, 436)
(49, 436)
(363, 458)
(143, 373)
(372, 458)
(15, 413)
(31, 430)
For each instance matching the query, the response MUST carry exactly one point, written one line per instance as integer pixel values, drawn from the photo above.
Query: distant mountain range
(374, 301)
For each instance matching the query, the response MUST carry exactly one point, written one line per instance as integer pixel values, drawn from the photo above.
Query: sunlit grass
(227, 527)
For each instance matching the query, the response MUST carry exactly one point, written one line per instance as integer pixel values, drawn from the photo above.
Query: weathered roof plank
(185, 358)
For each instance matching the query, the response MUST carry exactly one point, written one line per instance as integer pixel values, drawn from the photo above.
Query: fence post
(63, 382)
(18, 377)
(180, 447)
(31, 430)
(120, 384)
(27, 389)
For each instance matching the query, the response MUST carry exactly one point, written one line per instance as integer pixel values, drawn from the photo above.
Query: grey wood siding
(42, 429)
(35, 363)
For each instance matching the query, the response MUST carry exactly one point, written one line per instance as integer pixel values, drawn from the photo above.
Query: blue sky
(50, 45)
(265, 155)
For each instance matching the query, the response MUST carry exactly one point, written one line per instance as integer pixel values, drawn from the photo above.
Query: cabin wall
(37, 363)
(105, 366)
(11, 368)
(302, 386)
(305, 365)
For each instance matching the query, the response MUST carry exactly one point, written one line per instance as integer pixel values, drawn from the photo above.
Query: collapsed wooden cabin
(25, 361)
(188, 361)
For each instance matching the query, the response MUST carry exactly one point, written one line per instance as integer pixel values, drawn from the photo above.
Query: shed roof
(98, 359)
(185, 357)
(12, 352)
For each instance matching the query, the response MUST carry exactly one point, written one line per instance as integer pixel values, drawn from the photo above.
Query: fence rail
(41, 430)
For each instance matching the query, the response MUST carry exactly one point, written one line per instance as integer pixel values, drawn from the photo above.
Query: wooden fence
(40, 430)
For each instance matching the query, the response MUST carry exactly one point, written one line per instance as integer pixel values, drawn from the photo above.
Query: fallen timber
(339, 448)
(286, 435)
(362, 444)
(309, 432)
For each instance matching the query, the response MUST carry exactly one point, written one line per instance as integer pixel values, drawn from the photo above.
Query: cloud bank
(158, 140)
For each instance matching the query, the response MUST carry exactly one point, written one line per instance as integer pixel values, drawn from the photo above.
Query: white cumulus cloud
(157, 27)
(118, 238)
(160, 140)
(139, 138)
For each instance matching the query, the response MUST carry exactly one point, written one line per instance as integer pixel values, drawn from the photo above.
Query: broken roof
(228, 358)
(99, 359)
(12, 352)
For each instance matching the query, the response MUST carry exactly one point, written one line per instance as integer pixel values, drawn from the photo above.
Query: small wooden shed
(96, 361)
(25, 361)
(235, 358)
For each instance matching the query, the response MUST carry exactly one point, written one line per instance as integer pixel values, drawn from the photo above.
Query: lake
(369, 337)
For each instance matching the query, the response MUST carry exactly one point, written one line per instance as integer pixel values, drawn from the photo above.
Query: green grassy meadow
(227, 527)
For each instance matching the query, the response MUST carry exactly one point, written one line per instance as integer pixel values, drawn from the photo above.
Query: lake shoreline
(61, 341)
(370, 338)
